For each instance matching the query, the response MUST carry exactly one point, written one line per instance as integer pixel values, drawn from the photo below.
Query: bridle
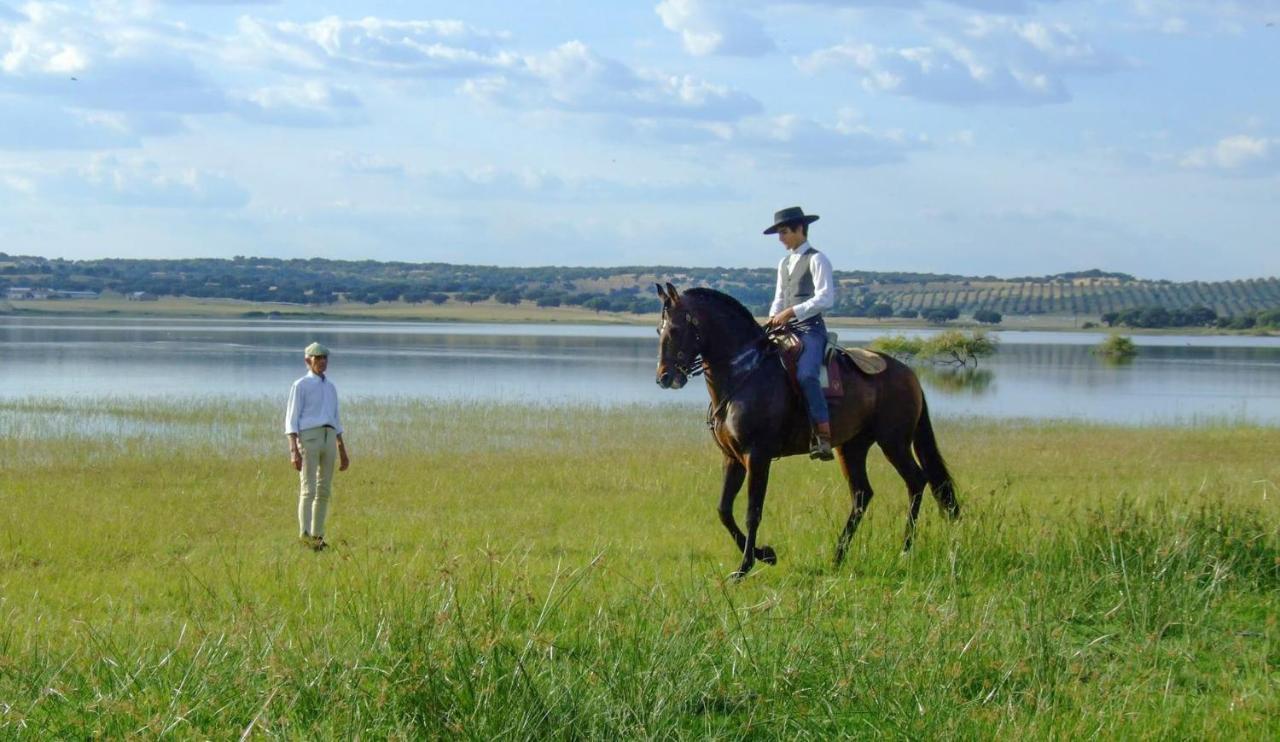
(695, 366)
(751, 357)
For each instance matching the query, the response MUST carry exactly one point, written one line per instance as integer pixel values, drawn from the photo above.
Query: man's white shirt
(313, 401)
(824, 295)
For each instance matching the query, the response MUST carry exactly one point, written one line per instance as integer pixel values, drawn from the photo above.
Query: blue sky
(1005, 137)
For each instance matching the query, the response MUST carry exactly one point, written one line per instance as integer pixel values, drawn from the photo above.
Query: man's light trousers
(319, 448)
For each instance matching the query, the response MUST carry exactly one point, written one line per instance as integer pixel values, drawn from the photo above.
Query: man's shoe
(318, 543)
(820, 449)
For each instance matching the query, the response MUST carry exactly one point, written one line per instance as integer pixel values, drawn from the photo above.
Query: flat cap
(316, 349)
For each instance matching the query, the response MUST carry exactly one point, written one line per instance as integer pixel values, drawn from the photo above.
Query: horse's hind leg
(734, 475)
(853, 464)
(899, 454)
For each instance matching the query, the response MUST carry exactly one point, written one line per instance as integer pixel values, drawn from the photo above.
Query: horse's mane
(723, 304)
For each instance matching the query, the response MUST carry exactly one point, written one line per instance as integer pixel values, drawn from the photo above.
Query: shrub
(959, 348)
(898, 346)
(1116, 348)
(952, 347)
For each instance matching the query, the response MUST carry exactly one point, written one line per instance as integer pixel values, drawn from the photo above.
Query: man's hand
(295, 457)
(344, 460)
(781, 318)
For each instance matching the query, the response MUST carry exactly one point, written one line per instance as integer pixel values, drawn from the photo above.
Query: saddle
(835, 358)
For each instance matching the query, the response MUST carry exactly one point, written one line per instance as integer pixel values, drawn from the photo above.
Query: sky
(1002, 137)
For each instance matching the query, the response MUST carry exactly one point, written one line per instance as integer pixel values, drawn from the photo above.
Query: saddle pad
(867, 362)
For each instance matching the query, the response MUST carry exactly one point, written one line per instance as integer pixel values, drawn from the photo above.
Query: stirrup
(820, 449)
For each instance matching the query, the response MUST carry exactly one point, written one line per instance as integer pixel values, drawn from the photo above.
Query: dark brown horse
(756, 416)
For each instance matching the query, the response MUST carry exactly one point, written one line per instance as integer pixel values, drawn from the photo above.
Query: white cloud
(802, 141)
(1008, 7)
(1240, 154)
(988, 60)
(366, 164)
(421, 48)
(307, 104)
(714, 27)
(140, 183)
(40, 125)
(103, 60)
(574, 78)
(1186, 16)
(528, 185)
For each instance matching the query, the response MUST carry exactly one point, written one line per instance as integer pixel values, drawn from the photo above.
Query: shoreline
(523, 313)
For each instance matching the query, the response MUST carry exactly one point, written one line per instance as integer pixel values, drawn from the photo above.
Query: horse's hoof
(768, 555)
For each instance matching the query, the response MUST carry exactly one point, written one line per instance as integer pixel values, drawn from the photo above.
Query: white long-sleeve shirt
(824, 295)
(313, 401)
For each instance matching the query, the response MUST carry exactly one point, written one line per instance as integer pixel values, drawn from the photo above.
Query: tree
(598, 303)
(880, 311)
(988, 316)
(940, 315)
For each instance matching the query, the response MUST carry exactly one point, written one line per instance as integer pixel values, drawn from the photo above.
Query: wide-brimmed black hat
(790, 215)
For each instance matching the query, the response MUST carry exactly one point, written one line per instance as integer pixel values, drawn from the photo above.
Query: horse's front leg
(757, 466)
(734, 475)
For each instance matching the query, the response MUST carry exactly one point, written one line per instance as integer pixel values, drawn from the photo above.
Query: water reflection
(956, 380)
(1037, 375)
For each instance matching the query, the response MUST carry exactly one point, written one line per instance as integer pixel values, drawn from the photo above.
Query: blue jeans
(813, 332)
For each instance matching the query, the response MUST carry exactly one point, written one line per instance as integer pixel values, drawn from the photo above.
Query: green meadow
(523, 572)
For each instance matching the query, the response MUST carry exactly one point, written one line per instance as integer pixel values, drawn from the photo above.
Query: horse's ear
(675, 295)
(662, 294)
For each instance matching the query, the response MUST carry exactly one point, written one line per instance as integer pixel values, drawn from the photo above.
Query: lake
(1041, 375)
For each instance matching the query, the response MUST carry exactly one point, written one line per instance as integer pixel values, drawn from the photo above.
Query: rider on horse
(806, 289)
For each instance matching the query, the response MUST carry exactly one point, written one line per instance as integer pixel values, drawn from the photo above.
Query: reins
(771, 348)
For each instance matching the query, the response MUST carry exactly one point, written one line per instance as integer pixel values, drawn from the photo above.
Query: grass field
(559, 573)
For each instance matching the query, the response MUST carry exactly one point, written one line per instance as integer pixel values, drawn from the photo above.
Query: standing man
(315, 441)
(806, 289)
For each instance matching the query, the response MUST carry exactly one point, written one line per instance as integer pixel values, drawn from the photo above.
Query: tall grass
(559, 573)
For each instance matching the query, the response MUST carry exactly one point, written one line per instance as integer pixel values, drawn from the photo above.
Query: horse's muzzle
(671, 379)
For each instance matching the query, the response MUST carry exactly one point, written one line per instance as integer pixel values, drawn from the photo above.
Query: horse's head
(678, 340)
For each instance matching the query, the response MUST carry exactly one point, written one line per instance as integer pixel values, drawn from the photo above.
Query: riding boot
(820, 448)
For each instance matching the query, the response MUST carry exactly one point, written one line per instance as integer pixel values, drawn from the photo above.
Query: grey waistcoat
(798, 286)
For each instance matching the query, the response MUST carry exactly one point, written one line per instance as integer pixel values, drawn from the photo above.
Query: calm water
(1039, 375)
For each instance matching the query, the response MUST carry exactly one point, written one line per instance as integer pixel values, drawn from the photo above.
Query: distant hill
(319, 282)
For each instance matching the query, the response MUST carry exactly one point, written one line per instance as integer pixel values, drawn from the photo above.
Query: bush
(959, 348)
(908, 313)
(898, 346)
(988, 316)
(952, 347)
(880, 311)
(1117, 348)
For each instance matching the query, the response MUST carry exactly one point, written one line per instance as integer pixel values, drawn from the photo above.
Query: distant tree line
(938, 298)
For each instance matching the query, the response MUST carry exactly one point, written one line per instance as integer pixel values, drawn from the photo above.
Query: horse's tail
(935, 468)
